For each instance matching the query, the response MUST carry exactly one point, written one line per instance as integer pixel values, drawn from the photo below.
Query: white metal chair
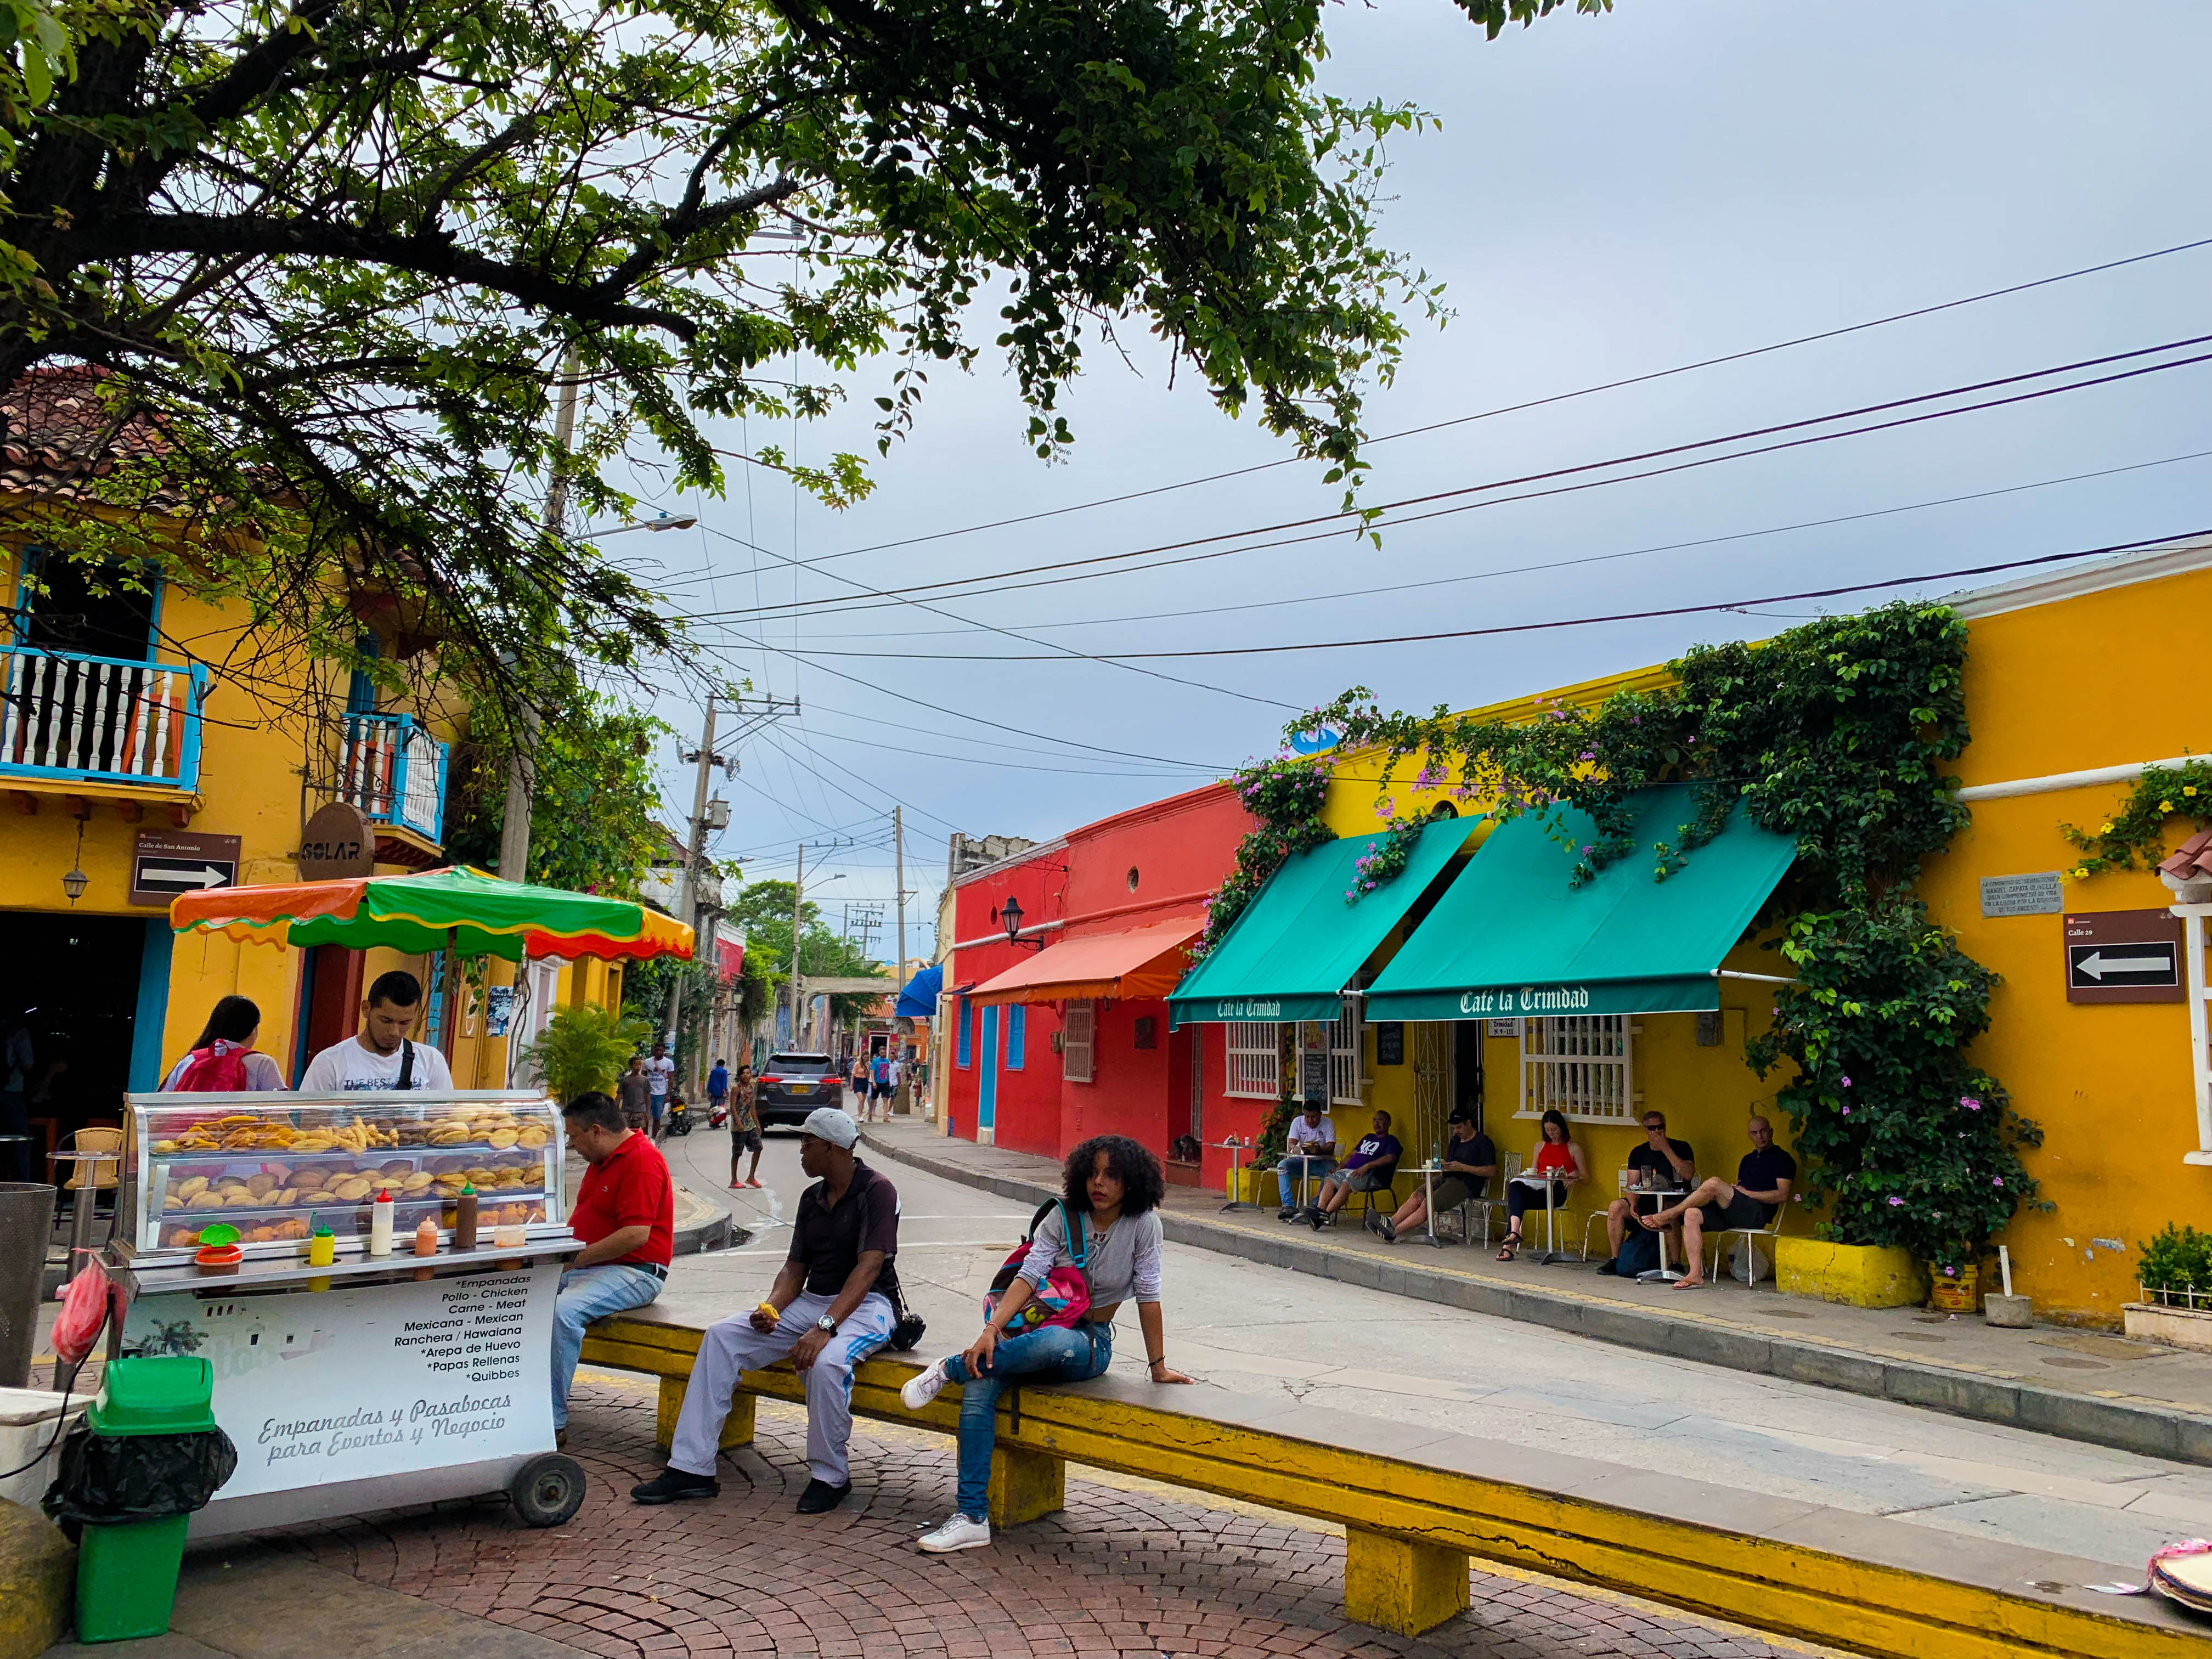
(1717, 1238)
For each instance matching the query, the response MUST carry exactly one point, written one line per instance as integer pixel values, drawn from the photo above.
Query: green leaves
(2136, 832)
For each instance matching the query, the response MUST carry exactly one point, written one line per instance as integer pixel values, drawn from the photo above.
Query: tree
(762, 908)
(332, 258)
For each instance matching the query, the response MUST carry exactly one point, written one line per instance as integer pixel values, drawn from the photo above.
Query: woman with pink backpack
(1051, 1311)
(223, 1060)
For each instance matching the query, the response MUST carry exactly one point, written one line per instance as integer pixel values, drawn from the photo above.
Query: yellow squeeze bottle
(322, 1251)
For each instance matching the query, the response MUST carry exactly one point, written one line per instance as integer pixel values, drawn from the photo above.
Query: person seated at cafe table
(1659, 1163)
(1762, 1186)
(1309, 1149)
(1370, 1168)
(1468, 1165)
(1557, 1156)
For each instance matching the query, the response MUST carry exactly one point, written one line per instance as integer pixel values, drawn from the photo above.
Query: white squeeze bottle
(379, 1225)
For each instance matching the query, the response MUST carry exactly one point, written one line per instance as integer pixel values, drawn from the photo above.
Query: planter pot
(2177, 1327)
(1861, 1275)
(1954, 1295)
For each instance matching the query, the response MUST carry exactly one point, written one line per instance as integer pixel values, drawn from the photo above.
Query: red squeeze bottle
(465, 1218)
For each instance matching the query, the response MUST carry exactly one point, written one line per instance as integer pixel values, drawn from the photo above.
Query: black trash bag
(105, 1479)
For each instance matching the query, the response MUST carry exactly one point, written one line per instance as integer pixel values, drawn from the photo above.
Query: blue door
(987, 1100)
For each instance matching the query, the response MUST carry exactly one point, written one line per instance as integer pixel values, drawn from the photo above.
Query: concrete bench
(1416, 1504)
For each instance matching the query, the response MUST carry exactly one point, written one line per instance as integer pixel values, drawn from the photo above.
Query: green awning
(1297, 945)
(1510, 937)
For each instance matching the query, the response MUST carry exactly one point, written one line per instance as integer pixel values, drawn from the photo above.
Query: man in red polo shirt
(625, 1213)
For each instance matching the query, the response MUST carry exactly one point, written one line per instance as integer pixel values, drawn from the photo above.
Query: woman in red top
(1557, 1155)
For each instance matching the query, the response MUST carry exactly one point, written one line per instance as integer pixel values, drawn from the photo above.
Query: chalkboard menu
(1313, 1075)
(1390, 1043)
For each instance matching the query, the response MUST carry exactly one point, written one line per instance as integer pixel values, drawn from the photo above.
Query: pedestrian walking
(829, 1309)
(383, 1055)
(718, 1091)
(635, 1090)
(1110, 1191)
(879, 1084)
(222, 1060)
(658, 1072)
(860, 1081)
(744, 1127)
(625, 1213)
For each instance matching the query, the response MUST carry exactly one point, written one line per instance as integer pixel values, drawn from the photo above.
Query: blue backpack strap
(1077, 1236)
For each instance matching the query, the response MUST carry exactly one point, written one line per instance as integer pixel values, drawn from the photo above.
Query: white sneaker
(957, 1533)
(925, 1386)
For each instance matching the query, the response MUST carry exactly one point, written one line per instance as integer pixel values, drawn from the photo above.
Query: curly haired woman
(1115, 1186)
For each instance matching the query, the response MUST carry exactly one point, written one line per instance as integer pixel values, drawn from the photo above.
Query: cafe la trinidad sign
(1683, 994)
(1527, 1000)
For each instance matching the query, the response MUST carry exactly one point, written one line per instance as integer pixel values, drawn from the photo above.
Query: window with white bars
(1344, 1079)
(1255, 1060)
(1577, 1065)
(1078, 1040)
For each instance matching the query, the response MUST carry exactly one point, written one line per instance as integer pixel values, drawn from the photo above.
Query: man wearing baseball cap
(829, 1309)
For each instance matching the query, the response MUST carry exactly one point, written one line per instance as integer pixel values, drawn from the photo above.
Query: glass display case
(277, 1166)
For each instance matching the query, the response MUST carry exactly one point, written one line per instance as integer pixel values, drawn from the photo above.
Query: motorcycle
(676, 1120)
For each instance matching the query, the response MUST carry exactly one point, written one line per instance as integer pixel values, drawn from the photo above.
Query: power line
(1622, 616)
(1012, 766)
(1540, 402)
(1366, 517)
(954, 737)
(1592, 558)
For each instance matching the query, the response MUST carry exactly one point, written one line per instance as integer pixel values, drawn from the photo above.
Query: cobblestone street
(1125, 1569)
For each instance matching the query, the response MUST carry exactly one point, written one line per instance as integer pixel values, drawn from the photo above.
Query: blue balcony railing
(65, 717)
(395, 771)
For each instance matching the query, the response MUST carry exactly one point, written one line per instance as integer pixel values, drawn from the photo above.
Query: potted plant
(2173, 1272)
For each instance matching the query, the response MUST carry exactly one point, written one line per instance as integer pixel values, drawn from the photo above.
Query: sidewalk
(2079, 1385)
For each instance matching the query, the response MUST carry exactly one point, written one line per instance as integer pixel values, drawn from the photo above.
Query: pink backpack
(217, 1069)
(1064, 1295)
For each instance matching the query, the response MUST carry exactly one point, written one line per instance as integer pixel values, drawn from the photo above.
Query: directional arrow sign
(169, 875)
(2158, 962)
(2123, 956)
(167, 862)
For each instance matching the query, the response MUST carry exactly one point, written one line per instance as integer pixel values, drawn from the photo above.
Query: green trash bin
(126, 1572)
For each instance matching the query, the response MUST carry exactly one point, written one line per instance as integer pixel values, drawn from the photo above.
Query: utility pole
(898, 885)
(687, 888)
(798, 985)
(514, 828)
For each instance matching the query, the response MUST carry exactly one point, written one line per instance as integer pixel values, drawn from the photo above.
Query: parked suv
(791, 1085)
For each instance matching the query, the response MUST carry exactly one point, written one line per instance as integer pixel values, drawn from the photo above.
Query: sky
(1604, 198)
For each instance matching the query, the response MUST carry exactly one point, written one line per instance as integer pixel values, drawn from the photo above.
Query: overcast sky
(1606, 197)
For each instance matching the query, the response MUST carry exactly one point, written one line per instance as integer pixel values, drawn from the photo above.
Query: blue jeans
(586, 1294)
(1055, 1354)
(659, 1105)
(1288, 1171)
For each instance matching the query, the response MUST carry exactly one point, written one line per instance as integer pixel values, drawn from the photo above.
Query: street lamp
(665, 521)
(1011, 914)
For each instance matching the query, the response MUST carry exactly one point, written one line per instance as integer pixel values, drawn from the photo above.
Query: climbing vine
(1838, 734)
(1284, 794)
(2136, 833)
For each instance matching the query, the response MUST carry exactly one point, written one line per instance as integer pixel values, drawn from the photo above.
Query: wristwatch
(826, 1325)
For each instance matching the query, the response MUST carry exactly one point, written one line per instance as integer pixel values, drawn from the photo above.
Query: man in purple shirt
(1369, 1169)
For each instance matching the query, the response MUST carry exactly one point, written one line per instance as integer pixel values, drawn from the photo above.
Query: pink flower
(1997, 1181)
(1847, 1083)
(1587, 851)
(1847, 1111)
(1969, 1102)
(1896, 1203)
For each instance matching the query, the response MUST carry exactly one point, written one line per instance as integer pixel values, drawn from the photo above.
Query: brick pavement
(1127, 1568)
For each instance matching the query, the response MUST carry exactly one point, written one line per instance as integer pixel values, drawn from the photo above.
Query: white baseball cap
(828, 1123)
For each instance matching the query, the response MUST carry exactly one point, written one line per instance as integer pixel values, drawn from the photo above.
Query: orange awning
(1145, 962)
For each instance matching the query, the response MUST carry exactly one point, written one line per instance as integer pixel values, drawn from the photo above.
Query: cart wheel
(548, 1490)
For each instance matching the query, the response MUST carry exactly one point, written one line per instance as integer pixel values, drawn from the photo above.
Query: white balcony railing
(395, 772)
(104, 720)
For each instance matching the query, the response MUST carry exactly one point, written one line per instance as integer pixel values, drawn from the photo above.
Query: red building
(1062, 1033)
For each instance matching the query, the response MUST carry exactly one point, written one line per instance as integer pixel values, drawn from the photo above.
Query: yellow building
(134, 766)
(2066, 680)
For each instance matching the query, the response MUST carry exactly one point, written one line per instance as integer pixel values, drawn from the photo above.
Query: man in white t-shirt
(1309, 1152)
(383, 1056)
(657, 1071)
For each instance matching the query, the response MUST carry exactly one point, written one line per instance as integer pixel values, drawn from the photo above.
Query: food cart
(352, 1380)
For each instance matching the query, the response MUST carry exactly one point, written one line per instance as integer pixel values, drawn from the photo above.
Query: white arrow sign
(170, 875)
(2097, 965)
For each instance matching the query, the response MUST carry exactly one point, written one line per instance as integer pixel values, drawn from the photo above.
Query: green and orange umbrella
(461, 910)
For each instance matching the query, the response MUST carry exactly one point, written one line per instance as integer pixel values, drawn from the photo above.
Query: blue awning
(918, 999)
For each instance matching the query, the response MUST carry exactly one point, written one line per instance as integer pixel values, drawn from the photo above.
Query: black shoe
(671, 1483)
(1318, 1219)
(1389, 1231)
(1371, 1222)
(820, 1497)
(1289, 1212)
(1610, 1267)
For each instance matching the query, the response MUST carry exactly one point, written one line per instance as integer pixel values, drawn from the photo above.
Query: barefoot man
(1761, 1187)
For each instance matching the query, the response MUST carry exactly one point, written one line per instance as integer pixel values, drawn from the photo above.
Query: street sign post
(2123, 956)
(167, 862)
